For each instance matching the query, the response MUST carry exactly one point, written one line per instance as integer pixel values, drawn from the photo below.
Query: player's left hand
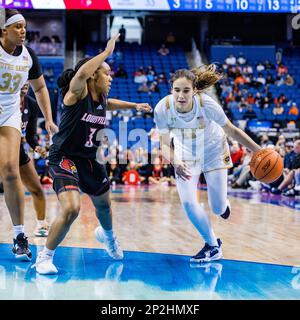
(143, 107)
(41, 151)
(51, 127)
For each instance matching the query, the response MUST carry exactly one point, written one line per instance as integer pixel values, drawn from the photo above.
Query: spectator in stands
(282, 69)
(249, 114)
(289, 81)
(154, 87)
(280, 142)
(261, 79)
(247, 69)
(114, 172)
(150, 76)
(269, 65)
(265, 141)
(162, 78)
(140, 76)
(289, 178)
(251, 82)
(294, 110)
(242, 175)
(241, 60)
(281, 99)
(236, 153)
(170, 39)
(122, 32)
(250, 98)
(260, 67)
(131, 176)
(279, 81)
(230, 60)
(158, 173)
(290, 154)
(258, 99)
(278, 109)
(270, 79)
(121, 72)
(143, 87)
(240, 79)
(265, 103)
(163, 51)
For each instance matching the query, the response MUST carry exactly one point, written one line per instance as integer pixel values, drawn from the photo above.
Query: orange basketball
(266, 165)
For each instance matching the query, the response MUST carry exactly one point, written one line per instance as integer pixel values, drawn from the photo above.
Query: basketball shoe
(44, 264)
(208, 253)
(21, 249)
(112, 244)
(41, 231)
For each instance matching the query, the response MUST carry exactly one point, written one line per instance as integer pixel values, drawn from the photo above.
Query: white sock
(48, 252)
(108, 233)
(18, 229)
(40, 223)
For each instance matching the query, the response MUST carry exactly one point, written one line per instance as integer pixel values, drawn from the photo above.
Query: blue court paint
(91, 274)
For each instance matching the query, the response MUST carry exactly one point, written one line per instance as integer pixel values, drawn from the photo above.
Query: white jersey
(13, 75)
(197, 135)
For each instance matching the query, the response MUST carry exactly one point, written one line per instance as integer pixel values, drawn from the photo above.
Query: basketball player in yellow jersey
(17, 65)
(193, 130)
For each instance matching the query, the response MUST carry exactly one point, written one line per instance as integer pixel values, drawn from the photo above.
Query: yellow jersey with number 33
(13, 75)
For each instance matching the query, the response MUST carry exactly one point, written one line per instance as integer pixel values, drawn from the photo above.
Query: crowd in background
(245, 86)
(138, 166)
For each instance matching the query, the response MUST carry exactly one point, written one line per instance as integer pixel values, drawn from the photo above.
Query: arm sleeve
(31, 135)
(35, 71)
(161, 117)
(213, 110)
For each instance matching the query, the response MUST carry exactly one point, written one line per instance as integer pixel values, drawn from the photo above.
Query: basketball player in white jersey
(193, 130)
(17, 65)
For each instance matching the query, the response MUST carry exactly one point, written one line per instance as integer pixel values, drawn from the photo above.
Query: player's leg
(65, 183)
(216, 181)
(187, 191)
(31, 181)
(95, 182)
(105, 233)
(10, 139)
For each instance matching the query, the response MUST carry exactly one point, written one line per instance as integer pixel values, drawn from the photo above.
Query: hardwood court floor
(151, 219)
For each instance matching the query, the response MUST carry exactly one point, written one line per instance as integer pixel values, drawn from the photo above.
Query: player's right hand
(110, 47)
(182, 171)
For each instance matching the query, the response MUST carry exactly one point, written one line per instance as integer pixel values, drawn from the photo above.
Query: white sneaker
(41, 232)
(255, 185)
(112, 245)
(44, 264)
(297, 188)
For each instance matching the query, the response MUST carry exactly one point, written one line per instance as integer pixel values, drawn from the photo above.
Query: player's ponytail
(205, 76)
(65, 78)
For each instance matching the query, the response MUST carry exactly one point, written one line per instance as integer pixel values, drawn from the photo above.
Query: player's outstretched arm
(78, 83)
(240, 136)
(115, 104)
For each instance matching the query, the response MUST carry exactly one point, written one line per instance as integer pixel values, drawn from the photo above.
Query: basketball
(266, 165)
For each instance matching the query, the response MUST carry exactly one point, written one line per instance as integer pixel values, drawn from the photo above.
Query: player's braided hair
(202, 77)
(65, 78)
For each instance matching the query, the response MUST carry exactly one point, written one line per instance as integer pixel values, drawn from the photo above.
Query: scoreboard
(267, 6)
(237, 5)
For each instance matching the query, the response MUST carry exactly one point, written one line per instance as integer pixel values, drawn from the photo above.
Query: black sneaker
(208, 253)
(20, 248)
